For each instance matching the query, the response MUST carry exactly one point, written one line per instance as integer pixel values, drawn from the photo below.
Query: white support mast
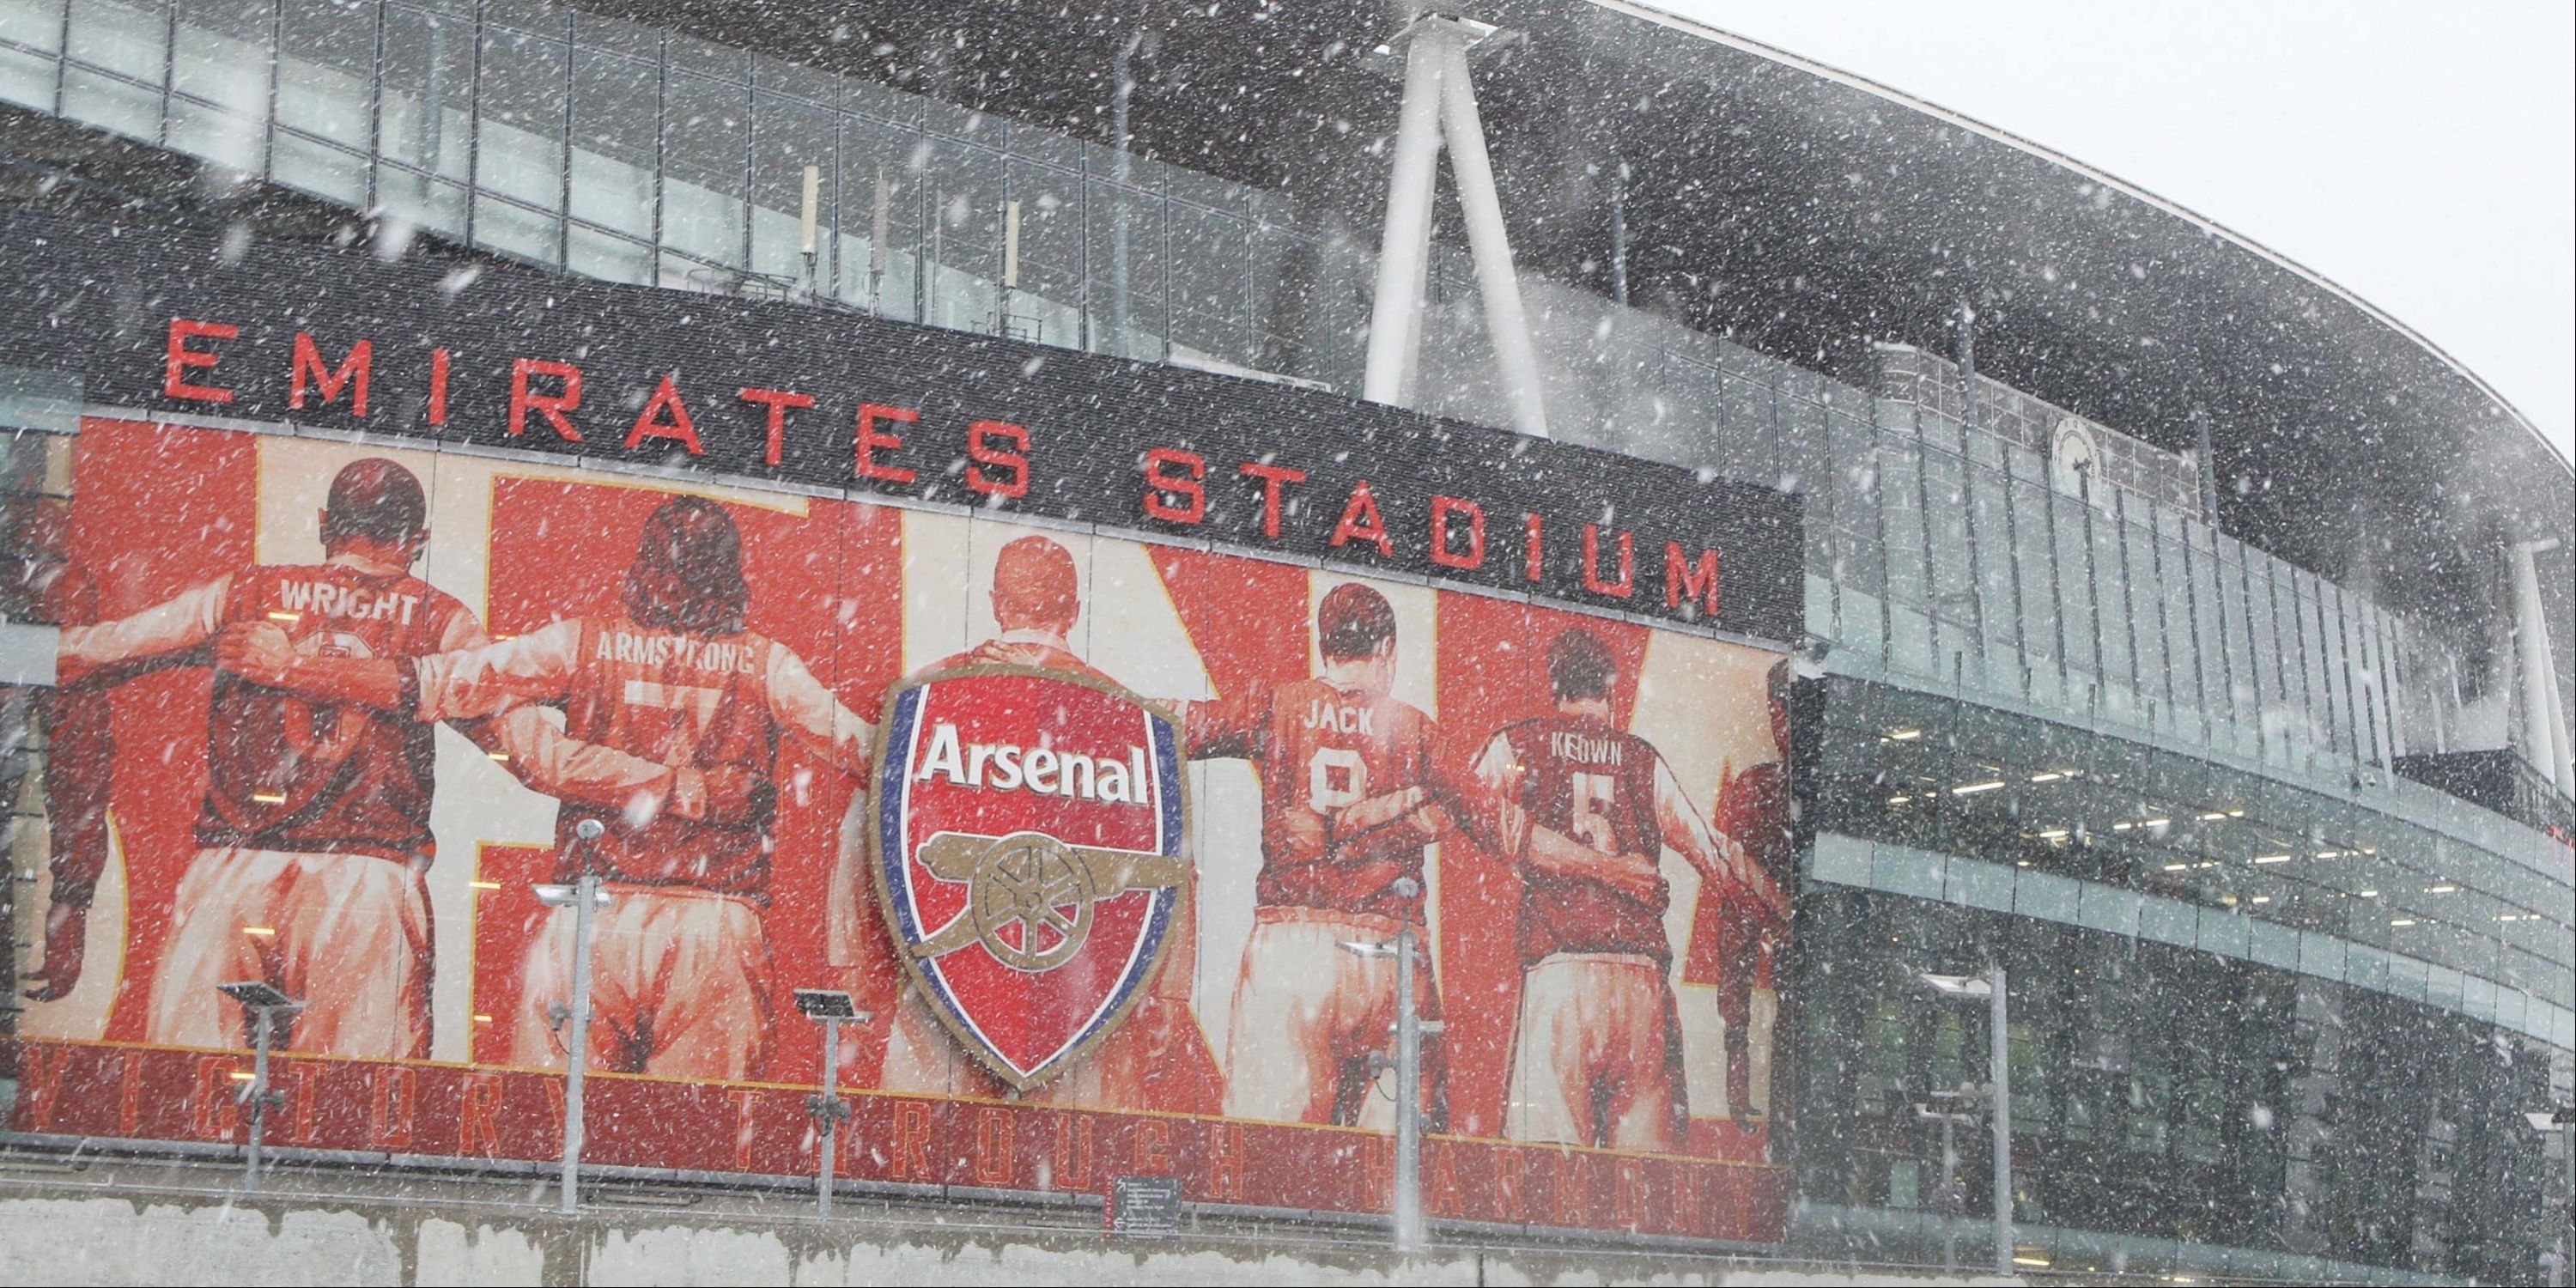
(1440, 98)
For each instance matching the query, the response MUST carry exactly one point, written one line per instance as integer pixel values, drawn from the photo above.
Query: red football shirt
(1578, 776)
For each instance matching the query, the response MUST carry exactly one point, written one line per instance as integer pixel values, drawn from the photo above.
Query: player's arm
(177, 624)
(1713, 852)
(808, 711)
(1493, 793)
(1232, 727)
(553, 762)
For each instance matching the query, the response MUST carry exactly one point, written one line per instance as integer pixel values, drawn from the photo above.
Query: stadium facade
(2143, 614)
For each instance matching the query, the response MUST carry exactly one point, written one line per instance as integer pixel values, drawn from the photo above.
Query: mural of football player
(1597, 1049)
(1344, 768)
(1158, 1058)
(1735, 936)
(673, 713)
(314, 833)
(46, 584)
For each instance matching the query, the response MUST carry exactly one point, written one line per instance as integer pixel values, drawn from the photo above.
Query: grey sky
(2422, 157)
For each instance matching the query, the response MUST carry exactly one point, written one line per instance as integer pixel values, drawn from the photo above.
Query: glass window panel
(2147, 618)
(1046, 304)
(1997, 598)
(880, 183)
(530, 16)
(967, 189)
(1127, 272)
(696, 56)
(433, 205)
(2110, 590)
(326, 72)
(428, 92)
(2075, 590)
(786, 137)
(705, 155)
(616, 110)
(128, 37)
(610, 259)
(320, 169)
(36, 24)
(522, 98)
(223, 54)
(517, 230)
(28, 79)
(129, 109)
(1312, 319)
(1211, 257)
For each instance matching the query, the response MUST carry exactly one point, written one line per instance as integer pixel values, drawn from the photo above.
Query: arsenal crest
(1028, 854)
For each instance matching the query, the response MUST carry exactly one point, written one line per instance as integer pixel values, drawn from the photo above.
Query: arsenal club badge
(1028, 851)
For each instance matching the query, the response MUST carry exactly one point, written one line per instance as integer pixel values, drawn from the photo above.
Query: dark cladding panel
(162, 321)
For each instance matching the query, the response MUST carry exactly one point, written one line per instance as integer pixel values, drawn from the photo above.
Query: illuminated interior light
(2023, 863)
(1898, 800)
(242, 1075)
(260, 932)
(2262, 898)
(2177, 867)
(2206, 863)
(2329, 854)
(269, 798)
(280, 616)
(482, 1019)
(1903, 735)
(2401, 921)
(2031, 1261)
(2271, 858)
(2122, 826)
(484, 885)
(1971, 789)
(2046, 778)
(2444, 888)
(2369, 894)
(2236, 813)
(2214, 816)
(499, 757)
(2053, 834)
(2160, 822)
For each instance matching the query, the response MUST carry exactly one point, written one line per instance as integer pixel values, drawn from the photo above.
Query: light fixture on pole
(584, 897)
(1992, 988)
(265, 1002)
(830, 1008)
(1410, 1029)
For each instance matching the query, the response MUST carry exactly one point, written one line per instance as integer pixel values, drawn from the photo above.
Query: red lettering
(1153, 1147)
(550, 406)
(744, 1133)
(40, 1083)
(1161, 482)
(870, 441)
(1273, 478)
(912, 1140)
(778, 401)
(1224, 1154)
(993, 1147)
(1360, 519)
(397, 1088)
(980, 453)
(665, 416)
(1076, 1146)
(1441, 508)
(351, 375)
(178, 360)
(1592, 563)
(1690, 583)
(304, 1076)
(129, 1095)
(478, 1117)
(216, 1112)
(1533, 562)
(438, 386)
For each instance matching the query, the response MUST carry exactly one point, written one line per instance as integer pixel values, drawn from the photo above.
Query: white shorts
(348, 935)
(679, 985)
(1308, 1013)
(1594, 1060)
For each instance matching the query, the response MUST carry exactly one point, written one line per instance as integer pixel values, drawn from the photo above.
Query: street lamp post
(585, 896)
(265, 1002)
(1410, 1029)
(830, 1008)
(1993, 988)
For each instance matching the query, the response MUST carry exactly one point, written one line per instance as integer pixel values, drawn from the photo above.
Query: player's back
(1328, 748)
(1581, 777)
(698, 701)
(285, 773)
